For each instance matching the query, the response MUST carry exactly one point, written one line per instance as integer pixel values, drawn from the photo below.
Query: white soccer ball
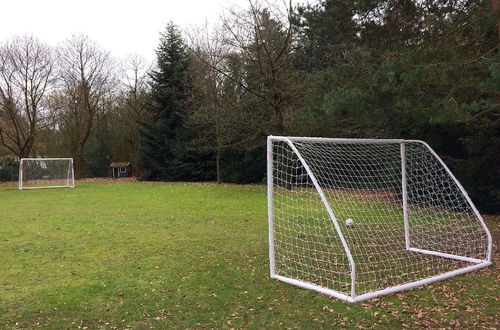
(349, 222)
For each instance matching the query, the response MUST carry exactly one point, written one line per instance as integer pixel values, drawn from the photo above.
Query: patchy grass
(140, 255)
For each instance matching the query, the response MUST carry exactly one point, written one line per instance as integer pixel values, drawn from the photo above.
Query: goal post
(360, 218)
(35, 173)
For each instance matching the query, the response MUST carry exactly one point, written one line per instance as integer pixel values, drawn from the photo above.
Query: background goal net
(358, 218)
(46, 173)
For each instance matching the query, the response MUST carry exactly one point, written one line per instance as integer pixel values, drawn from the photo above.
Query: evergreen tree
(413, 70)
(164, 152)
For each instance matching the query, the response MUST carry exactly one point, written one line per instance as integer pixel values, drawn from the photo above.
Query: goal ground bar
(387, 291)
(65, 186)
(447, 255)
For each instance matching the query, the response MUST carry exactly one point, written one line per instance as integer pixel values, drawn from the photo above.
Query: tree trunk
(280, 125)
(217, 163)
(495, 5)
(28, 146)
(78, 166)
(218, 150)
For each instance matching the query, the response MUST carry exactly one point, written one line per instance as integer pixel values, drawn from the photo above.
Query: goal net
(359, 218)
(46, 173)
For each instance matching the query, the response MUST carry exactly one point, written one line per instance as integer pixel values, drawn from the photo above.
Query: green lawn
(139, 255)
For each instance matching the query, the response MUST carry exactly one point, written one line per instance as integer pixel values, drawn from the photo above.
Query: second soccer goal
(360, 218)
(46, 173)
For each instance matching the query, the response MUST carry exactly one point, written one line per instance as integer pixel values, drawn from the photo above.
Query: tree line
(408, 69)
(73, 100)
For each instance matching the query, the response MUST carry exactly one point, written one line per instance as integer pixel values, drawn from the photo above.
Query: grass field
(174, 255)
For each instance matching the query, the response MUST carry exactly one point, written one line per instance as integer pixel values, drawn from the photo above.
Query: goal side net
(359, 218)
(46, 173)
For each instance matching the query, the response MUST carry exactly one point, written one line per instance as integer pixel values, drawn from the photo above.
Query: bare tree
(87, 77)
(130, 109)
(26, 76)
(262, 35)
(245, 79)
(135, 80)
(216, 112)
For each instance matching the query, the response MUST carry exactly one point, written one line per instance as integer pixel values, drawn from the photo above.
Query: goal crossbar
(352, 297)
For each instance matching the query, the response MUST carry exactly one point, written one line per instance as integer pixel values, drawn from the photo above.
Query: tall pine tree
(164, 152)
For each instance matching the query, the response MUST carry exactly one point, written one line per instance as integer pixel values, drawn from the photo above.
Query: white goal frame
(70, 179)
(352, 297)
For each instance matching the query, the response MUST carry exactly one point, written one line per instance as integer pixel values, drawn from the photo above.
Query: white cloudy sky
(120, 26)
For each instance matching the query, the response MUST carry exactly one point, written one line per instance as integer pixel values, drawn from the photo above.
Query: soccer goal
(360, 218)
(46, 173)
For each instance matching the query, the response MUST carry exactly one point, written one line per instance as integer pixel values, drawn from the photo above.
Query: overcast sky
(120, 26)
